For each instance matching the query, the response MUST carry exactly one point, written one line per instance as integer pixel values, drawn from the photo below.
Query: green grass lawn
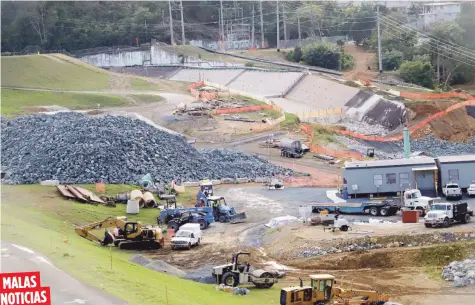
(61, 72)
(37, 217)
(17, 102)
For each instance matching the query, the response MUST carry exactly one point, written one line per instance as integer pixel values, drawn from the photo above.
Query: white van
(188, 235)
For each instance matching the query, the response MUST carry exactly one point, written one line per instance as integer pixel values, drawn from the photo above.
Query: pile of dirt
(456, 126)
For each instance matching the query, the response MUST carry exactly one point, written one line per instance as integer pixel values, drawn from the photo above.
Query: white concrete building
(436, 12)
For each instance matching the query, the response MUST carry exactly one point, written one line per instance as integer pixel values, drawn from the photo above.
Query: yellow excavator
(130, 234)
(322, 291)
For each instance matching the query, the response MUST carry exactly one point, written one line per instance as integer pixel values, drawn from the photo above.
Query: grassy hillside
(62, 72)
(17, 102)
(32, 208)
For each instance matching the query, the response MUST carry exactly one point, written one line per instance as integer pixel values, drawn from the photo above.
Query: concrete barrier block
(261, 179)
(227, 180)
(191, 184)
(242, 180)
(215, 182)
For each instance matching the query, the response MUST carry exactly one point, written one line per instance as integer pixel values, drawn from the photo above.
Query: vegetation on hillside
(322, 54)
(17, 102)
(63, 73)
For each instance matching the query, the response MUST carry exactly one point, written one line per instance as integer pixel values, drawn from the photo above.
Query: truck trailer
(373, 208)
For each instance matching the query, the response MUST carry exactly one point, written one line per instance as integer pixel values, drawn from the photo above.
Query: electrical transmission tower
(236, 28)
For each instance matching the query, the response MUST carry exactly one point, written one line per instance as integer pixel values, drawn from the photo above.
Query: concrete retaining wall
(154, 56)
(216, 76)
(265, 83)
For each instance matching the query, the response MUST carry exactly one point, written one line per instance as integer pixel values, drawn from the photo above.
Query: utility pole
(171, 22)
(379, 42)
(278, 29)
(222, 23)
(252, 33)
(285, 24)
(262, 25)
(182, 24)
(298, 25)
(438, 66)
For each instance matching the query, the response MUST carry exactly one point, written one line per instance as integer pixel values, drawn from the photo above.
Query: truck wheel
(202, 224)
(379, 302)
(446, 223)
(189, 246)
(466, 218)
(383, 212)
(230, 279)
(373, 211)
(173, 225)
(344, 228)
(222, 219)
(428, 225)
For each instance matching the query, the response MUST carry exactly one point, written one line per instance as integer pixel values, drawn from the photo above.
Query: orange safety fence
(412, 129)
(329, 151)
(242, 109)
(443, 95)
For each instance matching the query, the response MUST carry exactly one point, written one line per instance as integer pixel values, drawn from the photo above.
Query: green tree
(392, 60)
(418, 71)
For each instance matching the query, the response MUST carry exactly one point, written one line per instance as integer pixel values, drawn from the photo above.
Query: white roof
(322, 276)
(395, 162)
(440, 4)
(451, 159)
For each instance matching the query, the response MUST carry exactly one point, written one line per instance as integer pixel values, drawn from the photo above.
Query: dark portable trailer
(373, 208)
(290, 148)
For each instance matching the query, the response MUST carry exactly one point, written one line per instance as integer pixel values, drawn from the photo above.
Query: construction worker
(337, 213)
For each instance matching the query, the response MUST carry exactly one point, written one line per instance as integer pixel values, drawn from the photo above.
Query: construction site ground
(395, 271)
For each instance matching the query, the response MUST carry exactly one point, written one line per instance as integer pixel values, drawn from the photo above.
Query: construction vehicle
(188, 217)
(413, 200)
(206, 187)
(130, 234)
(221, 211)
(238, 273)
(290, 148)
(168, 215)
(445, 214)
(323, 291)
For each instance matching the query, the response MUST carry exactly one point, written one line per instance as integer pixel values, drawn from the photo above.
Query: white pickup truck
(471, 189)
(452, 191)
(413, 200)
(188, 235)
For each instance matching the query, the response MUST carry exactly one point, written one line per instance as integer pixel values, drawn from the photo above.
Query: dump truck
(445, 214)
(131, 235)
(221, 211)
(290, 148)
(323, 291)
(238, 273)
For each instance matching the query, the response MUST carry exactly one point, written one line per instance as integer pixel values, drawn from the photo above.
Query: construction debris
(462, 273)
(79, 194)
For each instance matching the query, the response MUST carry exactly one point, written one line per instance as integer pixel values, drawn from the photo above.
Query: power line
(433, 44)
(456, 59)
(440, 40)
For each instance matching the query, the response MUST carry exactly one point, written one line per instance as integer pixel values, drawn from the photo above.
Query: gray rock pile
(75, 148)
(461, 273)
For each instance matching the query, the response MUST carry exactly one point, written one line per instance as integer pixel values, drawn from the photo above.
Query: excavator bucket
(239, 217)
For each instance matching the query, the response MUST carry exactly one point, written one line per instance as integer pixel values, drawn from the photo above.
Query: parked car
(471, 190)
(452, 191)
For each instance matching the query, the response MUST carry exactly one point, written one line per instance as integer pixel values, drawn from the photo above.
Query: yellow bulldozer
(323, 291)
(130, 235)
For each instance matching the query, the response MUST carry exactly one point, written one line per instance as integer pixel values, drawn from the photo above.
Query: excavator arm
(110, 222)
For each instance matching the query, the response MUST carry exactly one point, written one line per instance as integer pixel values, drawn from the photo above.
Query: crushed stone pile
(78, 149)
(202, 275)
(462, 273)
